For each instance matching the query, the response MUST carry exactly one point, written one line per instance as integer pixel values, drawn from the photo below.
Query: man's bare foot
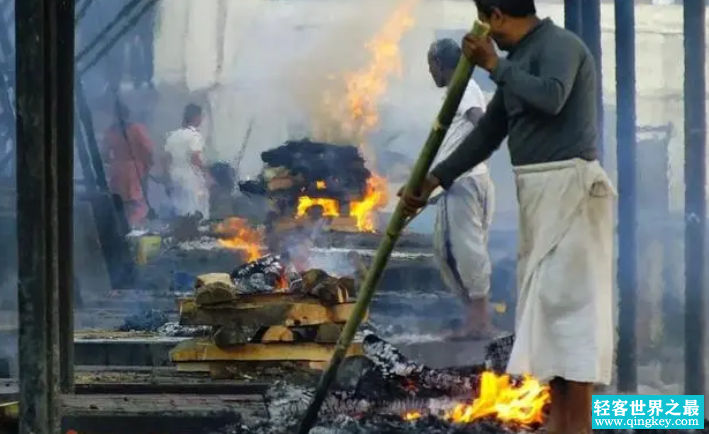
(478, 324)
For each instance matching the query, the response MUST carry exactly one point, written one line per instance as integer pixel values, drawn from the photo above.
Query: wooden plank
(290, 313)
(183, 405)
(200, 350)
(9, 392)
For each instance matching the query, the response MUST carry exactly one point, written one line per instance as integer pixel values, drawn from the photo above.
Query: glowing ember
(412, 415)
(376, 197)
(320, 185)
(522, 404)
(330, 206)
(239, 235)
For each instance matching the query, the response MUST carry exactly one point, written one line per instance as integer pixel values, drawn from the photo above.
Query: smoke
(316, 82)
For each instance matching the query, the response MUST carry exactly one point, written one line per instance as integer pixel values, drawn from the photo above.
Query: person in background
(187, 174)
(128, 152)
(464, 211)
(546, 105)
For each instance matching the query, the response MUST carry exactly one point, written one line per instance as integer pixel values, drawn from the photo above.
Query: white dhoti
(190, 194)
(564, 319)
(463, 219)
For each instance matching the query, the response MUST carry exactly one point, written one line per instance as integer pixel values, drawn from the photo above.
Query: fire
(239, 235)
(359, 115)
(330, 206)
(375, 197)
(366, 87)
(362, 211)
(522, 404)
(412, 415)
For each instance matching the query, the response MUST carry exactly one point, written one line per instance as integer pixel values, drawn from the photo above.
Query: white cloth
(460, 239)
(461, 126)
(564, 319)
(189, 186)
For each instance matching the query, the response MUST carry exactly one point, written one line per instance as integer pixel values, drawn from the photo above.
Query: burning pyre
(312, 180)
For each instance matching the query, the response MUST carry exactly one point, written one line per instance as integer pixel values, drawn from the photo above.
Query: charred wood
(415, 378)
(328, 333)
(231, 336)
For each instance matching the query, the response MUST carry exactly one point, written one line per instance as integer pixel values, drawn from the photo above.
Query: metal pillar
(695, 203)
(591, 35)
(627, 206)
(36, 96)
(65, 169)
(572, 15)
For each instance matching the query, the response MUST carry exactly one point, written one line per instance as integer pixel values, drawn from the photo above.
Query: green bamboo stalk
(456, 89)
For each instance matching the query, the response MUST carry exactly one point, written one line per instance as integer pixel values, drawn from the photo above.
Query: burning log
(265, 274)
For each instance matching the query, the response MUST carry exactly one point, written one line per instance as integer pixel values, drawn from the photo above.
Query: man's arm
(474, 114)
(548, 91)
(478, 146)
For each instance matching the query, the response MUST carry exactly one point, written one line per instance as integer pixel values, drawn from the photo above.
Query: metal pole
(35, 33)
(591, 35)
(695, 203)
(572, 15)
(627, 203)
(65, 169)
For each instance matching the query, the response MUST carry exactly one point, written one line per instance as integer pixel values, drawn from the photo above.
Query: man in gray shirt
(545, 104)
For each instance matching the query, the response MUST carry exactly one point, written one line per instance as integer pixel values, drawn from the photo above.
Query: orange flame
(376, 196)
(330, 206)
(522, 404)
(365, 88)
(411, 415)
(239, 235)
(320, 185)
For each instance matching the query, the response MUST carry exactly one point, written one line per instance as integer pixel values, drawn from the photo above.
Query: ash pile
(384, 392)
(304, 178)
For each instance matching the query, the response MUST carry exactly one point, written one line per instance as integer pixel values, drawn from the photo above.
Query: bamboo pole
(456, 89)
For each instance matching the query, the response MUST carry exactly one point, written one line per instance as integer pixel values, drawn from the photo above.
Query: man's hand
(480, 51)
(415, 201)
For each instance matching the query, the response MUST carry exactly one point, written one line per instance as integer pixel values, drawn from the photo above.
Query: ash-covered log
(265, 274)
(413, 378)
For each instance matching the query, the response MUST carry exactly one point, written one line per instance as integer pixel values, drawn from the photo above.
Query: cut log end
(278, 334)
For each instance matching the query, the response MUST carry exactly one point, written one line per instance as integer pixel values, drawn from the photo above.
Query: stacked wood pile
(317, 170)
(285, 318)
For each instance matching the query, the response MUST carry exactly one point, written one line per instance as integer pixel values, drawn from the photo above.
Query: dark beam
(36, 170)
(65, 170)
(695, 204)
(572, 15)
(626, 144)
(591, 35)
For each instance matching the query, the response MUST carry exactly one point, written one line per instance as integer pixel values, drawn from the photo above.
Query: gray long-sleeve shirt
(545, 102)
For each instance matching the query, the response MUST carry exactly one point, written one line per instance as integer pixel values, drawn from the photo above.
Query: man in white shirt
(188, 177)
(464, 212)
